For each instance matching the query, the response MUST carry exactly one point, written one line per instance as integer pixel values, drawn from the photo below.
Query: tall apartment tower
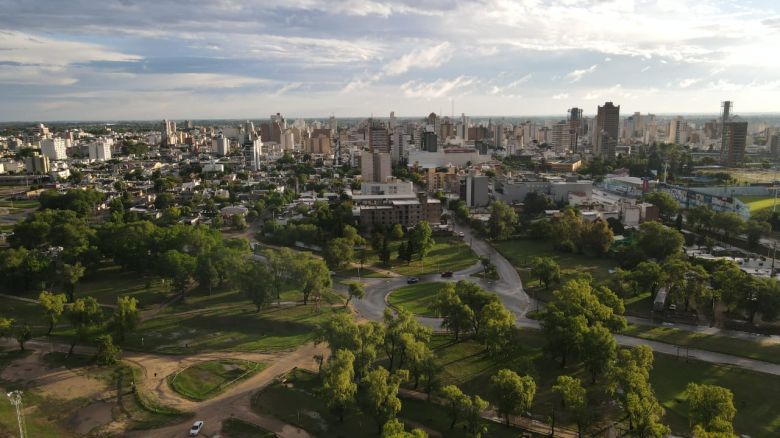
(678, 133)
(606, 130)
(168, 133)
(732, 149)
(54, 148)
(378, 138)
(375, 167)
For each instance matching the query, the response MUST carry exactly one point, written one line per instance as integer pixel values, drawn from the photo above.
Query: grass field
(521, 252)
(205, 380)
(416, 298)
(756, 203)
(766, 351)
(758, 411)
(235, 428)
(747, 175)
(230, 325)
(448, 254)
(295, 403)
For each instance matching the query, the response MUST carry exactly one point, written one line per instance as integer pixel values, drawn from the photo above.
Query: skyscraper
(168, 133)
(378, 138)
(677, 131)
(732, 149)
(606, 130)
(53, 148)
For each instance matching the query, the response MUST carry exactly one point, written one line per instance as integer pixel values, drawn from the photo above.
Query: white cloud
(424, 58)
(24, 48)
(685, 83)
(577, 75)
(436, 89)
(560, 96)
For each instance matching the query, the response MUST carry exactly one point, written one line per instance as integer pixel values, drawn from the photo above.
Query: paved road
(511, 292)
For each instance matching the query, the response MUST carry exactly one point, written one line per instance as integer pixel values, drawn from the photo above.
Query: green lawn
(416, 298)
(205, 380)
(295, 402)
(27, 203)
(639, 305)
(756, 203)
(110, 282)
(758, 408)
(448, 254)
(766, 351)
(367, 273)
(24, 313)
(232, 325)
(235, 428)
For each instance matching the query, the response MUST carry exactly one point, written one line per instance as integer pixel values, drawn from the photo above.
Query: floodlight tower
(15, 397)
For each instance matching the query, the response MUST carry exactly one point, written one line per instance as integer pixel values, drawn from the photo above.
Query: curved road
(510, 289)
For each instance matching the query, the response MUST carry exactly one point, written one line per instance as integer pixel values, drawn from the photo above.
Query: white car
(196, 427)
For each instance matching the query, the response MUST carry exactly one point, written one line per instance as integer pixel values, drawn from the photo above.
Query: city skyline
(137, 60)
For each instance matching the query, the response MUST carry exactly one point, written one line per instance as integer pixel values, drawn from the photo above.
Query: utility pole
(15, 397)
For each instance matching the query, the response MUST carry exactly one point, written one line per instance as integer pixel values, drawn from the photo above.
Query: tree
(107, 353)
(513, 394)
(126, 317)
(665, 202)
(23, 334)
(53, 306)
(728, 222)
(238, 222)
(497, 325)
(395, 429)
(546, 269)
(711, 408)
(456, 316)
(659, 241)
(206, 273)
(755, 230)
(356, 290)
(338, 388)
(85, 316)
(71, 274)
(502, 220)
(178, 266)
(699, 217)
(630, 382)
(256, 284)
(6, 325)
(311, 275)
(599, 350)
(473, 416)
(648, 277)
(420, 240)
(398, 232)
(597, 237)
(397, 328)
(339, 253)
(574, 398)
(456, 401)
(379, 394)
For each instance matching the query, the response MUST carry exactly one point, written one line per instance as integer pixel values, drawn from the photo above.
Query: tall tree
(502, 220)
(53, 306)
(23, 334)
(338, 387)
(597, 237)
(755, 230)
(85, 316)
(107, 353)
(339, 253)
(711, 408)
(699, 217)
(665, 202)
(71, 274)
(456, 401)
(513, 394)
(257, 285)
(728, 222)
(546, 269)
(396, 326)
(659, 241)
(126, 317)
(630, 383)
(395, 429)
(574, 399)
(420, 239)
(599, 350)
(456, 316)
(379, 394)
(356, 290)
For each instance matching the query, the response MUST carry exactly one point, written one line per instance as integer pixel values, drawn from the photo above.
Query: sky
(200, 59)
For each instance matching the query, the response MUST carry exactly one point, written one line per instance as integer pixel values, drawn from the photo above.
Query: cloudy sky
(149, 59)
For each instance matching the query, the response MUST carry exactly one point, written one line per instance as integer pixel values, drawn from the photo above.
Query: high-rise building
(474, 190)
(678, 133)
(378, 138)
(606, 130)
(429, 142)
(560, 138)
(319, 144)
(169, 137)
(392, 120)
(375, 167)
(100, 150)
(334, 126)
(54, 148)
(221, 146)
(733, 141)
(774, 144)
(288, 140)
(253, 152)
(37, 164)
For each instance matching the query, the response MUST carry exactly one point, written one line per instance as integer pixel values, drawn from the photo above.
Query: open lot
(207, 379)
(416, 298)
(756, 203)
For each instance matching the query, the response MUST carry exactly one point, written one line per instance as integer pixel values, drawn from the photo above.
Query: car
(412, 280)
(196, 427)
(462, 234)
(447, 274)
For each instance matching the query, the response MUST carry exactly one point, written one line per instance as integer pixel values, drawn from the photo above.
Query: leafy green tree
(659, 241)
(711, 408)
(420, 240)
(596, 237)
(179, 267)
(238, 222)
(312, 276)
(475, 426)
(356, 290)
(728, 222)
(502, 220)
(546, 269)
(23, 334)
(755, 230)
(513, 394)
(53, 306)
(665, 202)
(338, 387)
(71, 274)
(6, 325)
(476, 299)
(85, 316)
(379, 394)
(648, 277)
(397, 327)
(107, 353)
(395, 429)
(126, 317)
(342, 332)
(339, 253)
(456, 316)
(456, 401)
(398, 232)
(256, 285)
(700, 217)
(599, 350)
(497, 324)
(574, 399)
(630, 382)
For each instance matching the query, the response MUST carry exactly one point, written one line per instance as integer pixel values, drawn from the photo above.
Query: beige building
(318, 145)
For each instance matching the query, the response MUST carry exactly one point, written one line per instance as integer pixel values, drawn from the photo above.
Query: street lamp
(15, 397)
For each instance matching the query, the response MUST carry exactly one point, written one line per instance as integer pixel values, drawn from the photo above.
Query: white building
(100, 150)
(54, 148)
(221, 146)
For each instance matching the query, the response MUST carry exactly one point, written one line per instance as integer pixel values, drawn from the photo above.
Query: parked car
(462, 234)
(412, 280)
(196, 427)
(447, 274)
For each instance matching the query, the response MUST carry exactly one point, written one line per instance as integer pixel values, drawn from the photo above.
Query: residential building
(54, 148)
(100, 150)
(733, 141)
(606, 130)
(474, 190)
(37, 164)
(375, 167)
(430, 141)
(221, 146)
(514, 190)
(318, 145)
(378, 138)
(407, 212)
(678, 133)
